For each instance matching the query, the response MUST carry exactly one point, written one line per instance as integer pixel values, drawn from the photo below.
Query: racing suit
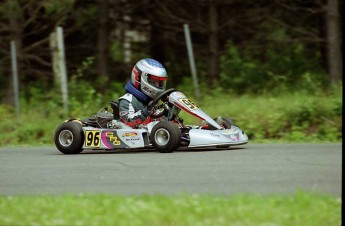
(132, 111)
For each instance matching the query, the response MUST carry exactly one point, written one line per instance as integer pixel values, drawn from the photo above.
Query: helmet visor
(158, 82)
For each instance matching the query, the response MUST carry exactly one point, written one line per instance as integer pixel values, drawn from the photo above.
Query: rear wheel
(165, 137)
(69, 138)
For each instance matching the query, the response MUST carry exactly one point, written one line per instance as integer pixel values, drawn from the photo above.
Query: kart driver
(148, 80)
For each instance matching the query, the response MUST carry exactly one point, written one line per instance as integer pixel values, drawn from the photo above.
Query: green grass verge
(297, 209)
(287, 117)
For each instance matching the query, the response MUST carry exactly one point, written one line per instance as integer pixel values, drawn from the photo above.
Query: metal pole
(62, 66)
(191, 60)
(15, 76)
(55, 59)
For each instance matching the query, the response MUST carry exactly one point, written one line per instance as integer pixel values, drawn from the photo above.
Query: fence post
(191, 61)
(55, 59)
(62, 68)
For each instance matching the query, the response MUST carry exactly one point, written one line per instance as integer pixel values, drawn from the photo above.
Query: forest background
(248, 52)
(274, 66)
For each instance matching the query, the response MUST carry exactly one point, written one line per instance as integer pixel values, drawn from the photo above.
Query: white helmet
(149, 76)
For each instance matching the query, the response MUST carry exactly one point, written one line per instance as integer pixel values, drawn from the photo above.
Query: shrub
(282, 69)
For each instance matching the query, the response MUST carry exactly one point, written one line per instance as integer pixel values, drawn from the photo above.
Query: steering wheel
(161, 95)
(157, 99)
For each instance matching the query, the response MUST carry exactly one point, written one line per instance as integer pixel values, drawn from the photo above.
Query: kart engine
(103, 117)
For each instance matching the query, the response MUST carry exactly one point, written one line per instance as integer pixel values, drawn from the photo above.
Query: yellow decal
(129, 134)
(113, 138)
(188, 103)
(92, 138)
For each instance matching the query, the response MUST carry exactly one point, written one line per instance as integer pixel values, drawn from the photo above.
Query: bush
(289, 117)
(282, 69)
(293, 117)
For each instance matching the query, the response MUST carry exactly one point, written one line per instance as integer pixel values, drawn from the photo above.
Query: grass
(287, 117)
(297, 209)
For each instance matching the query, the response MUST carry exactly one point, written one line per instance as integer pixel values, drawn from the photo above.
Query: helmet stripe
(137, 71)
(158, 78)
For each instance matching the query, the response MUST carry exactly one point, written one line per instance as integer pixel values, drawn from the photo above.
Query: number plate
(93, 138)
(188, 103)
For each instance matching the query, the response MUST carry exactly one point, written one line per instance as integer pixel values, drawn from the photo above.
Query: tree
(318, 24)
(107, 30)
(334, 41)
(103, 41)
(13, 29)
(29, 24)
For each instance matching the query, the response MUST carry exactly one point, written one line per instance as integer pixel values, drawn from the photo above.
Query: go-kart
(165, 133)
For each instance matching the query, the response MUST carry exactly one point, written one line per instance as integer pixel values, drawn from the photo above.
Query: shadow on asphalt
(152, 150)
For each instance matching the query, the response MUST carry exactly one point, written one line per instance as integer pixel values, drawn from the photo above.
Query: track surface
(251, 168)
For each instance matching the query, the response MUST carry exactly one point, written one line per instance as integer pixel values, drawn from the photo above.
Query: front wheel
(165, 137)
(226, 123)
(69, 138)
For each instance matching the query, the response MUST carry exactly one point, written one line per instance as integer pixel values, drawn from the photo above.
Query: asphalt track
(252, 168)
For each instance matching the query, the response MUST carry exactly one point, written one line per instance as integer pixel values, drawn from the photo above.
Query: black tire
(226, 123)
(165, 137)
(69, 138)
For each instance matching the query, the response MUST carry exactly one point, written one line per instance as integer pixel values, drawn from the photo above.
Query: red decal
(136, 73)
(137, 122)
(158, 78)
(180, 106)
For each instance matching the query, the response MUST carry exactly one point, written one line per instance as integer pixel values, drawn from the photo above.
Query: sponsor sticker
(233, 134)
(113, 139)
(149, 90)
(130, 134)
(229, 131)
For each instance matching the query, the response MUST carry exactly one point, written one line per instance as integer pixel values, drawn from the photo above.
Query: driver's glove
(147, 111)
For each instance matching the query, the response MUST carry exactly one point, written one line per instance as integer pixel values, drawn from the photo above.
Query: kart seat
(115, 106)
